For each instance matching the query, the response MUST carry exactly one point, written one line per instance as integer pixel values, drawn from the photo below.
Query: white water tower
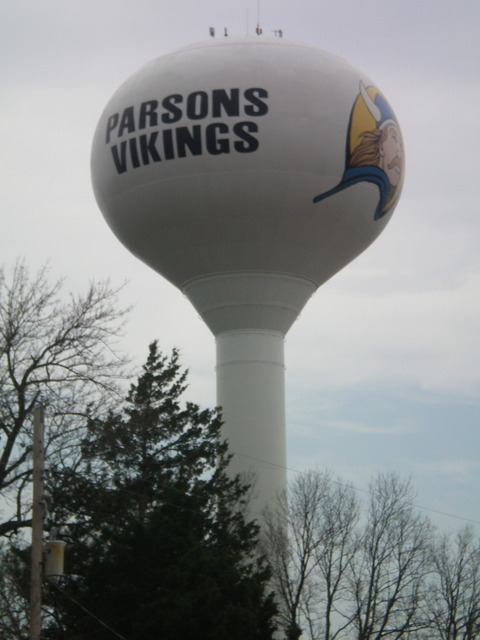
(247, 172)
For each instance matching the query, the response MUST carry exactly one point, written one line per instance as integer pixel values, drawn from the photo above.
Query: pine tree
(159, 546)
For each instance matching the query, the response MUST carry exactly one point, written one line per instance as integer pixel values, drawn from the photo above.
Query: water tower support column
(251, 392)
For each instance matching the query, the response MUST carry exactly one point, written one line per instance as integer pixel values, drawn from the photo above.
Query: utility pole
(37, 526)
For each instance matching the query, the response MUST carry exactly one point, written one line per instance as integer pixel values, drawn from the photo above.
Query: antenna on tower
(258, 30)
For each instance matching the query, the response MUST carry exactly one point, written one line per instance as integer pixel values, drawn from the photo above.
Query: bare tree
(13, 597)
(62, 348)
(335, 557)
(455, 589)
(291, 534)
(310, 540)
(389, 577)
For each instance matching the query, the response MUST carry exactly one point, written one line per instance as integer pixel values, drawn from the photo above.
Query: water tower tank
(247, 172)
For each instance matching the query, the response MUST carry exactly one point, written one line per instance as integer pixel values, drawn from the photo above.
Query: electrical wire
(92, 615)
(298, 472)
(358, 489)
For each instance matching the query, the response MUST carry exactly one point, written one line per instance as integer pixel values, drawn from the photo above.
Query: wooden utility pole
(37, 526)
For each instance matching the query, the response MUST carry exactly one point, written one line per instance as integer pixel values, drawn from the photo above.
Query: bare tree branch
(311, 543)
(389, 577)
(454, 605)
(62, 346)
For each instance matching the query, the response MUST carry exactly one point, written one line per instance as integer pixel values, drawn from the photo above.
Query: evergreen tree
(159, 546)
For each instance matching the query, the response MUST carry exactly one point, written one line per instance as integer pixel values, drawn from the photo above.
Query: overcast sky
(383, 367)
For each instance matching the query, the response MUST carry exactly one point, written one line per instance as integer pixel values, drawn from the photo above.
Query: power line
(92, 615)
(358, 489)
(296, 471)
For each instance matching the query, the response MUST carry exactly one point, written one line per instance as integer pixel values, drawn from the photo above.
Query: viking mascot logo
(374, 150)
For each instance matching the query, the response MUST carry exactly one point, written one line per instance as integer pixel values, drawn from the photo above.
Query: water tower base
(251, 392)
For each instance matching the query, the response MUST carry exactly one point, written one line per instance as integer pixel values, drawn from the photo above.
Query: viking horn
(371, 106)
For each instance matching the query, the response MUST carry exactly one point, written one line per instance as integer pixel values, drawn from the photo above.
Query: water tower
(247, 172)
